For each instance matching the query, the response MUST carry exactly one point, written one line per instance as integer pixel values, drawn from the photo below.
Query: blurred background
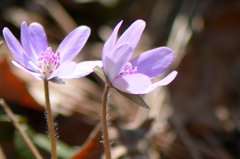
(197, 116)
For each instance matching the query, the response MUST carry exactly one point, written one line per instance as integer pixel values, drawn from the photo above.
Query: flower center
(48, 61)
(128, 70)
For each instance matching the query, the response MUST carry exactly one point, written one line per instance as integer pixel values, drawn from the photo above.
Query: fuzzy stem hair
(104, 123)
(50, 122)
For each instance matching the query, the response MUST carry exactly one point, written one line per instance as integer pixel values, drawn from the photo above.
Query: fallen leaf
(92, 148)
(13, 90)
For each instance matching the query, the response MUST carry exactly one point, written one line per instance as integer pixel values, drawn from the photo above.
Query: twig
(50, 122)
(2, 155)
(104, 123)
(20, 130)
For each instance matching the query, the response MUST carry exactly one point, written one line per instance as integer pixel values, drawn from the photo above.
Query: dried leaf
(13, 90)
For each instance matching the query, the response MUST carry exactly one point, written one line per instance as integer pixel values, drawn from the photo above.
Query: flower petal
(36, 75)
(27, 46)
(38, 37)
(133, 84)
(165, 81)
(110, 43)
(73, 43)
(153, 62)
(64, 69)
(17, 51)
(116, 60)
(132, 34)
(83, 69)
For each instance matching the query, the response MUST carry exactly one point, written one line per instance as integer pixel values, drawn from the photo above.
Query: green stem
(50, 122)
(28, 142)
(104, 123)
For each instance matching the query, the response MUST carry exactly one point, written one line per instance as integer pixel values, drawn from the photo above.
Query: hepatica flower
(37, 58)
(134, 76)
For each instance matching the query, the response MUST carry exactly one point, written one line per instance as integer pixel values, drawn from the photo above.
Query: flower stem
(104, 123)
(50, 122)
(28, 142)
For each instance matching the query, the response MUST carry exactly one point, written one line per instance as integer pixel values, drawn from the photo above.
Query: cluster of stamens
(128, 70)
(48, 61)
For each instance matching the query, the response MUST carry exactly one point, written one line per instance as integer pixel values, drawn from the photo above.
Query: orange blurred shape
(13, 90)
(92, 148)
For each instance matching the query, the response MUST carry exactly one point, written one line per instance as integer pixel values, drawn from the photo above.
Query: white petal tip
(169, 78)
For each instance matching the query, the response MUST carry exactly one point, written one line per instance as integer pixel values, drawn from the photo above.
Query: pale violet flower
(34, 55)
(134, 76)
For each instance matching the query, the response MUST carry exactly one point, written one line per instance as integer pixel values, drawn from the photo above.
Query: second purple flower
(134, 76)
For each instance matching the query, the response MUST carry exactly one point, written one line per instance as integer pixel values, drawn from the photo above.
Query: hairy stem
(28, 142)
(50, 122)
(104, 123)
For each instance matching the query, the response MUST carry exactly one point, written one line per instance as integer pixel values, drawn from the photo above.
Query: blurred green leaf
(63, 150)
(22, 148)
(6, 132)
(7, 128)
(41, 141)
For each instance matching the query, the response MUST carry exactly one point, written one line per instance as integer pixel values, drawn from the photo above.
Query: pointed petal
(133, 84)
(26, 43)
(132, 34)
(116, 60)
(64, 69)
(73, 43)
(17, 51)
(36, 75)
(165, 81)
(110, 43)
(83, 69)
(153, 62)
(38, 37)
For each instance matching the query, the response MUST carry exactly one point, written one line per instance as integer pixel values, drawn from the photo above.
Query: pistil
(128, 70)
(48, 62)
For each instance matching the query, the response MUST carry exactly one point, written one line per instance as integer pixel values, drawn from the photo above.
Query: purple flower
(134, 76)
(38, 59)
